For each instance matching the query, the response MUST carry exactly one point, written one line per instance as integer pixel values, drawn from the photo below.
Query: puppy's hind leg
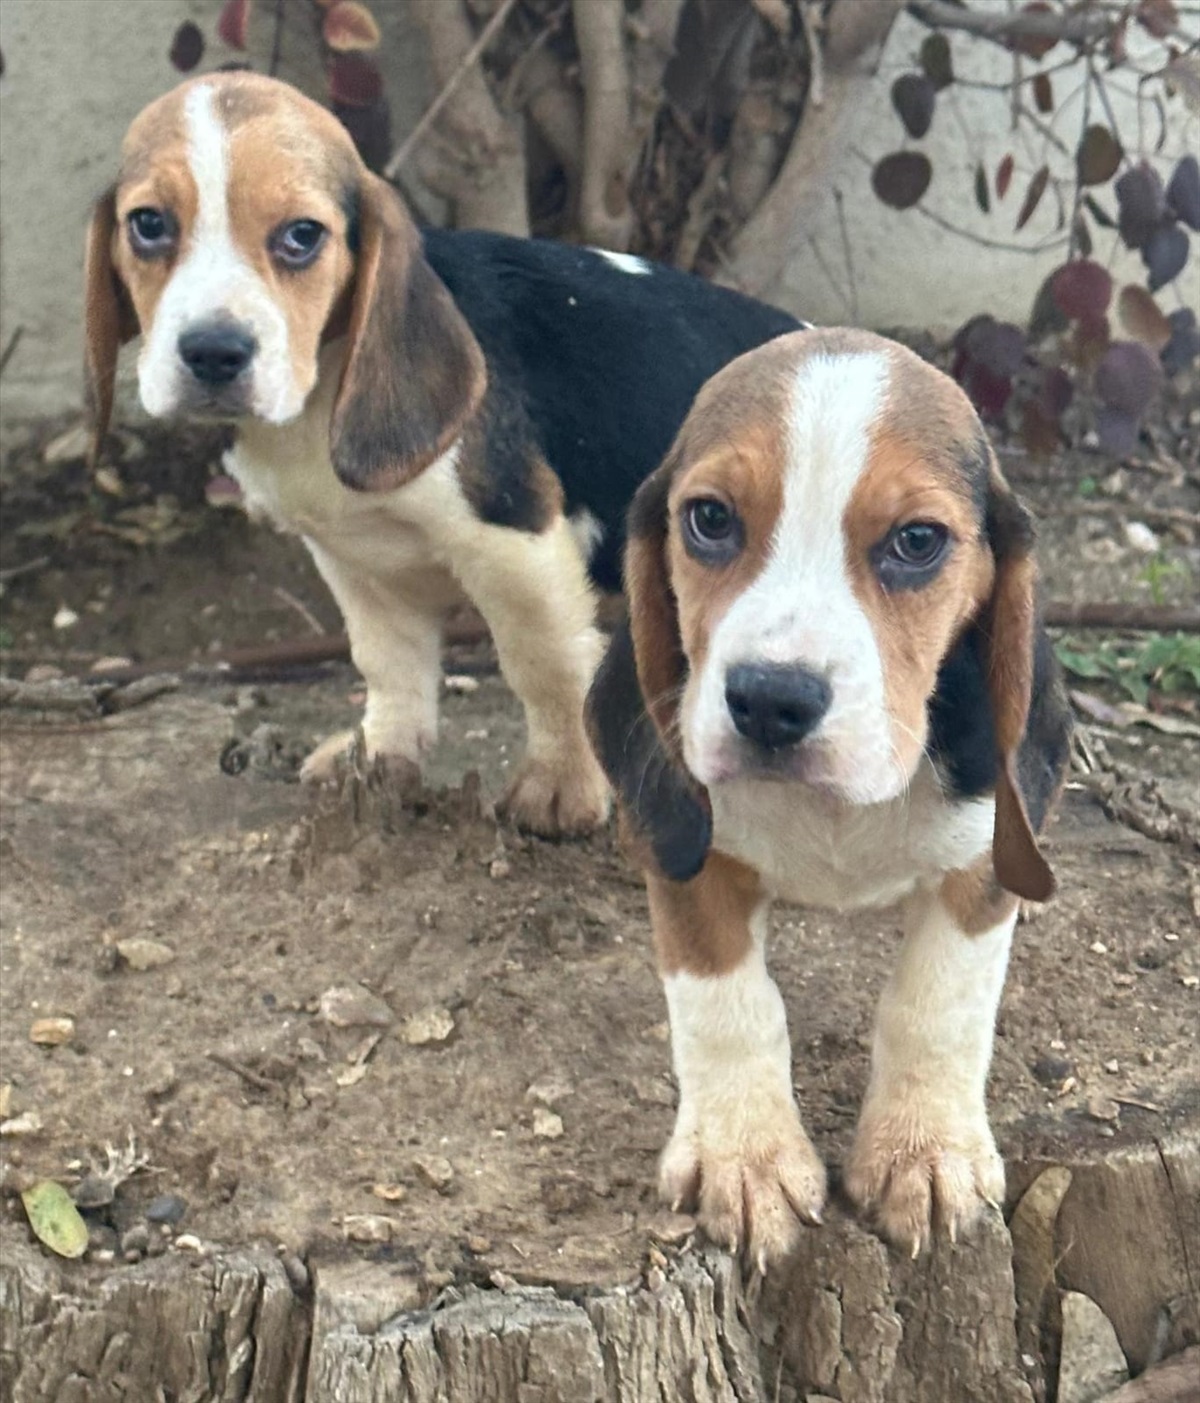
(532, 589)
(395, 628)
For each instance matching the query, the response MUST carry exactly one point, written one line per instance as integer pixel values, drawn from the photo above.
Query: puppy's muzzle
(775, 705)
(217, 353)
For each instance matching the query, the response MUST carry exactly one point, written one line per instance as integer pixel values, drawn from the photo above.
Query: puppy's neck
(278, 443)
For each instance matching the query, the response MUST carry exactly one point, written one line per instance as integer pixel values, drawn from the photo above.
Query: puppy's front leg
(739, 1154)
(395, 628)
(924, 1152)
(533, 590)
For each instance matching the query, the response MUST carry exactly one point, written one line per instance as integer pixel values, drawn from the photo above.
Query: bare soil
(277, 1127)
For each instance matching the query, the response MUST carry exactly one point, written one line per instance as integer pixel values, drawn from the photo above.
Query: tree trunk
(847, 1319)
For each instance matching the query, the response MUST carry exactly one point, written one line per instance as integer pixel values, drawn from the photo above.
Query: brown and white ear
(109, 319)
(1016, 650)
(633, 703)
(414, 372)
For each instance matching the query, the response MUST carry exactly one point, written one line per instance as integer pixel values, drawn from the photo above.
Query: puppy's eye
(712, 531)
(297, 244)
(151, 231)
(910, 555)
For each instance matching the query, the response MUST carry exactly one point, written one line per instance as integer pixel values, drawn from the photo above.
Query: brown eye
(151, 231)
(297, 244)
(712, 531)
(911, 555)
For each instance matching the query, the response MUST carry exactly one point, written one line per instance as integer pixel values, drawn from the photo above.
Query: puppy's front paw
(558, 800)
(321, 767)
(750, 1177)
(913, 1172)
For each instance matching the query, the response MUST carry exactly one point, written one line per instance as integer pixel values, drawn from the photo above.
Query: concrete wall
(78, 70)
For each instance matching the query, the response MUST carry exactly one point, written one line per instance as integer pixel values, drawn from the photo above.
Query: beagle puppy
(440, 415)
(832, 688)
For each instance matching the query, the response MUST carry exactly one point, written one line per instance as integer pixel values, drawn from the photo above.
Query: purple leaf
(1043, 93)
(914, 97)
(1117, 431)
(1141, 204)
(1098, 157)
(1037, 188)
(999, 347)
(936, 62)
(1165, 253)
(1056, 391)
(1082, 289)
(982, 195)
(1184, 346)
(1128, 377)
(1183, 193)
(900, 179)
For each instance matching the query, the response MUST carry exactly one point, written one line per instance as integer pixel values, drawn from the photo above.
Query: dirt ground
(522, 1138)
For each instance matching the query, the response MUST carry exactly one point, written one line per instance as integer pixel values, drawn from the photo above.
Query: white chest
(812, 850)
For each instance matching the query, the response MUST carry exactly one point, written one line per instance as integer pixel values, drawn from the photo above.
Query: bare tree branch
(604, 215)
(1080, 26)
(480, 164)
(855, 29)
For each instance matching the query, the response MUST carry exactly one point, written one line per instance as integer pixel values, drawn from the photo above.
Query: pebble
(166, 1208)
(189, 1242)
(1103, 1108)
(160, 1079)
(43, 672)
(672, 1229)
(499, 868)
(1098, 947)
(135, 1241)
(94, 1191)
(461, 683)
(479, 1244)
(354, 1006)
(65, 618)
(1052, 1071)
(1141, 538)
(72, 443)
(297, 1272)
(1112, 1065)
(431, 1025)
(141, 953)
(5, 1100)
(549, 1091)
(27, 1123)
(1092, 1362)
(52, 1032)
(547, 1125)
(367, 1227)
(390, 1193)
(434, 1170)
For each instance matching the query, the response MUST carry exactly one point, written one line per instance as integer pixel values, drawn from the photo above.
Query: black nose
(775, 705)
(217, 354)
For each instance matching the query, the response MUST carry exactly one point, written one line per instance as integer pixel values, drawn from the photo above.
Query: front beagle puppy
(441, 416)
(832, 688)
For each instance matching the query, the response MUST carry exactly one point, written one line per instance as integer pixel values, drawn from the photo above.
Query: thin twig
(10, 350)
(847, 253)
(984, 242)
(468, 61)
(255, 1079)
(288, 598)
(1136, 618)
(1076, 27)
(14, 572)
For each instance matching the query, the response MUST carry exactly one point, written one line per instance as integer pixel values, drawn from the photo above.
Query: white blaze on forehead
(626, 262)
(214, 281)
(801, 609)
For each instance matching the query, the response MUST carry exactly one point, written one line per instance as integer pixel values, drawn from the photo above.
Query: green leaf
(54, 1218)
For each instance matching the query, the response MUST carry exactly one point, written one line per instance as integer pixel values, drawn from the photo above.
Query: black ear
(414, 372)
(659, 798)
(108, 317)
(1031, 723)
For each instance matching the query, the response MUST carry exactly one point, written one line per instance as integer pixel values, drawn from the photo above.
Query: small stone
(5, 1100)
(141, 953)
(656, 1279)
(1170, 936)
(499, 868)
(297, 1272)
(109, 480)
(114, 663)
(52, 1032)
(27, 1123)
(189, 1242)
(1190, 981)
(431, 1025)
(94, 1191)
(1092, 1363)
(1103, 1108)
(1112, 1065)
(135, 1240)
(653, 1090)
(64, 618)
(390, 1193)
(1052, 1071)
(478, 1244)
(461, 683)
(475, 735)
(43, 672)
(434, 1170)
(672, 1229)
(547, 1125)
(549, 1091)
(166, 1208)
(71, 444)
(1141, 538)
(354, 1006)
(160, 1079)
(367, 1227)
(1098, 947)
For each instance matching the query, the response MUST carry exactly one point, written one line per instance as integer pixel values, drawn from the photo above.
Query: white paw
(913, 1172)
(751, 1177)
(563, 800)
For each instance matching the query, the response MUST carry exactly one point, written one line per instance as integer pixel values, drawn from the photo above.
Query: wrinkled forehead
(840, 415)
(264, 130)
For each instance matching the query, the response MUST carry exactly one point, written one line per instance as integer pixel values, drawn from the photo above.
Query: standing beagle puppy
(441, 416)
(832, 688)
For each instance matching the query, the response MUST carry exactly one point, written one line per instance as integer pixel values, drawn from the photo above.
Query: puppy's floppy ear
(1031, 750)
(634, 700)
(414, 373)
(109, 319)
